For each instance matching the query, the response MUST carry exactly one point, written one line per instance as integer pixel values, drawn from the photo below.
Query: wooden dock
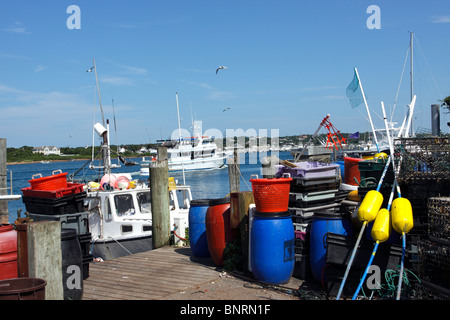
(150, 275)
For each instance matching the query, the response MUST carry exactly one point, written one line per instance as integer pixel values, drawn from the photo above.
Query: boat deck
(150, 275)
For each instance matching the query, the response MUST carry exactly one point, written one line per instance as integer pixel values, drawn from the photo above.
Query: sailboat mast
(411, 64)
(411, 41)
(179, 132)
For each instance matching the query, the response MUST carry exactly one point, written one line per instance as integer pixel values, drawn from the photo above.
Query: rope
(300, 293)
(240, 173)
(388, 290)
(121, 245)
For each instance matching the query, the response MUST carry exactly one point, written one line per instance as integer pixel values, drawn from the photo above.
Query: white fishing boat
(197, 152)
(119, 210)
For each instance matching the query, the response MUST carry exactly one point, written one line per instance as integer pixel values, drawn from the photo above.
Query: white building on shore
(47, 150)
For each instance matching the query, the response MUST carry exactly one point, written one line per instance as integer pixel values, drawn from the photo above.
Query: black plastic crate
(302, 270)
(56, 206)
(86, 260)
(85, 243)
(78, 221)
(340, 248)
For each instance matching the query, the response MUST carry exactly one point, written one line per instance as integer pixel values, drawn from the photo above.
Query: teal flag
(354, 93)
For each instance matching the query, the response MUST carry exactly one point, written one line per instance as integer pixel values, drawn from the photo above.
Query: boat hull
(189, 165)
(111, 249)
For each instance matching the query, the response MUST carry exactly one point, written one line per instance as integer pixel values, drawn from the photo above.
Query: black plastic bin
(58, 206)
(340, 248)
(87, 257)
(72, 268)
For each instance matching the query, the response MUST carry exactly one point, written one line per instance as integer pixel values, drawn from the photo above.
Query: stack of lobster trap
(424, 178)
(314, 187)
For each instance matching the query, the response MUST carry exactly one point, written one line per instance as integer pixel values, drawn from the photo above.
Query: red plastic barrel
(218, 229)
(351, 171)
(8, 252)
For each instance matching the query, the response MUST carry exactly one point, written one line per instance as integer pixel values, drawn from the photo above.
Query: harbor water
(205, 184)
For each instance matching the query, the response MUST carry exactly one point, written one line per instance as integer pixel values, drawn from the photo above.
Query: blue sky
(289, 62)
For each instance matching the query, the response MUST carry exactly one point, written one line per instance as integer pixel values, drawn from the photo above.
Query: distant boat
(190, 153)
(44, 161)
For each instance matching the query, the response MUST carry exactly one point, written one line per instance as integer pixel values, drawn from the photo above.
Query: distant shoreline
(38, 161)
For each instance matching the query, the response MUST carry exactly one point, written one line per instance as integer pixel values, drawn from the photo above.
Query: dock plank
(147, 276)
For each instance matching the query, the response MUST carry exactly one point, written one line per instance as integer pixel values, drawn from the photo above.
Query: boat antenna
(99, 97)
(115, 128)
(179, 132)
(411, 42)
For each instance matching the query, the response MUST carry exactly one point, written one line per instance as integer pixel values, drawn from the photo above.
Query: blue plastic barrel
(272, 247)
(341, 168)
(197, 228)
(324, 222)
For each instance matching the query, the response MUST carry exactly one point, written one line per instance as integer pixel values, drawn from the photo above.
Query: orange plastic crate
(53, 182)
(72, 188)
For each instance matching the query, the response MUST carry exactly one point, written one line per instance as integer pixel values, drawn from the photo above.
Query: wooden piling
(159, 189)
(44, 256)
(233, 172)
(4, 213)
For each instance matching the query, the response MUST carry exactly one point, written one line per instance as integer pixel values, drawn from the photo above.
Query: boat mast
(179, 144)
(99, 97)
(411, 41)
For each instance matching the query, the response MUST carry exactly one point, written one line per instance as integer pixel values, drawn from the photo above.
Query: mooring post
(4, 213)
(44, 256)
(159, 189)
(233, 172)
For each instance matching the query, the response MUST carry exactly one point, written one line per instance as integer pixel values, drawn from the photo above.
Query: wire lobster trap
(439, 218)
(423, 158)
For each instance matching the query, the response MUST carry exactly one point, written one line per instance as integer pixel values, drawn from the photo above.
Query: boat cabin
(125, 216)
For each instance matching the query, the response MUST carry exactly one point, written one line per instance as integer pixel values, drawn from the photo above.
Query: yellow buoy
(382, 225)
(353, 196)
(380, 155)
(402, 215)
(370, 206)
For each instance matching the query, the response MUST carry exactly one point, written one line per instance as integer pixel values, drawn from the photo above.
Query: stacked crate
(314, 187)
(52, 198)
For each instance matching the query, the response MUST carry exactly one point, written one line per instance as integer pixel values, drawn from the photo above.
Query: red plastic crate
(50, 183)
(72, 188)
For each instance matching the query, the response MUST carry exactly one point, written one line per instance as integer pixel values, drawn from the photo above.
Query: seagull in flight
(90, 70)
(228, 108)
(221, 67)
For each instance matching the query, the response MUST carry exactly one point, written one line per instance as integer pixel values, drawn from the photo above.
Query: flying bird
(90, 70)
(221, 67)
(228, 108)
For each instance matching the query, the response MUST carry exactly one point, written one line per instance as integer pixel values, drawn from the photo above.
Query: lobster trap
(439, 218)
(424, 158)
